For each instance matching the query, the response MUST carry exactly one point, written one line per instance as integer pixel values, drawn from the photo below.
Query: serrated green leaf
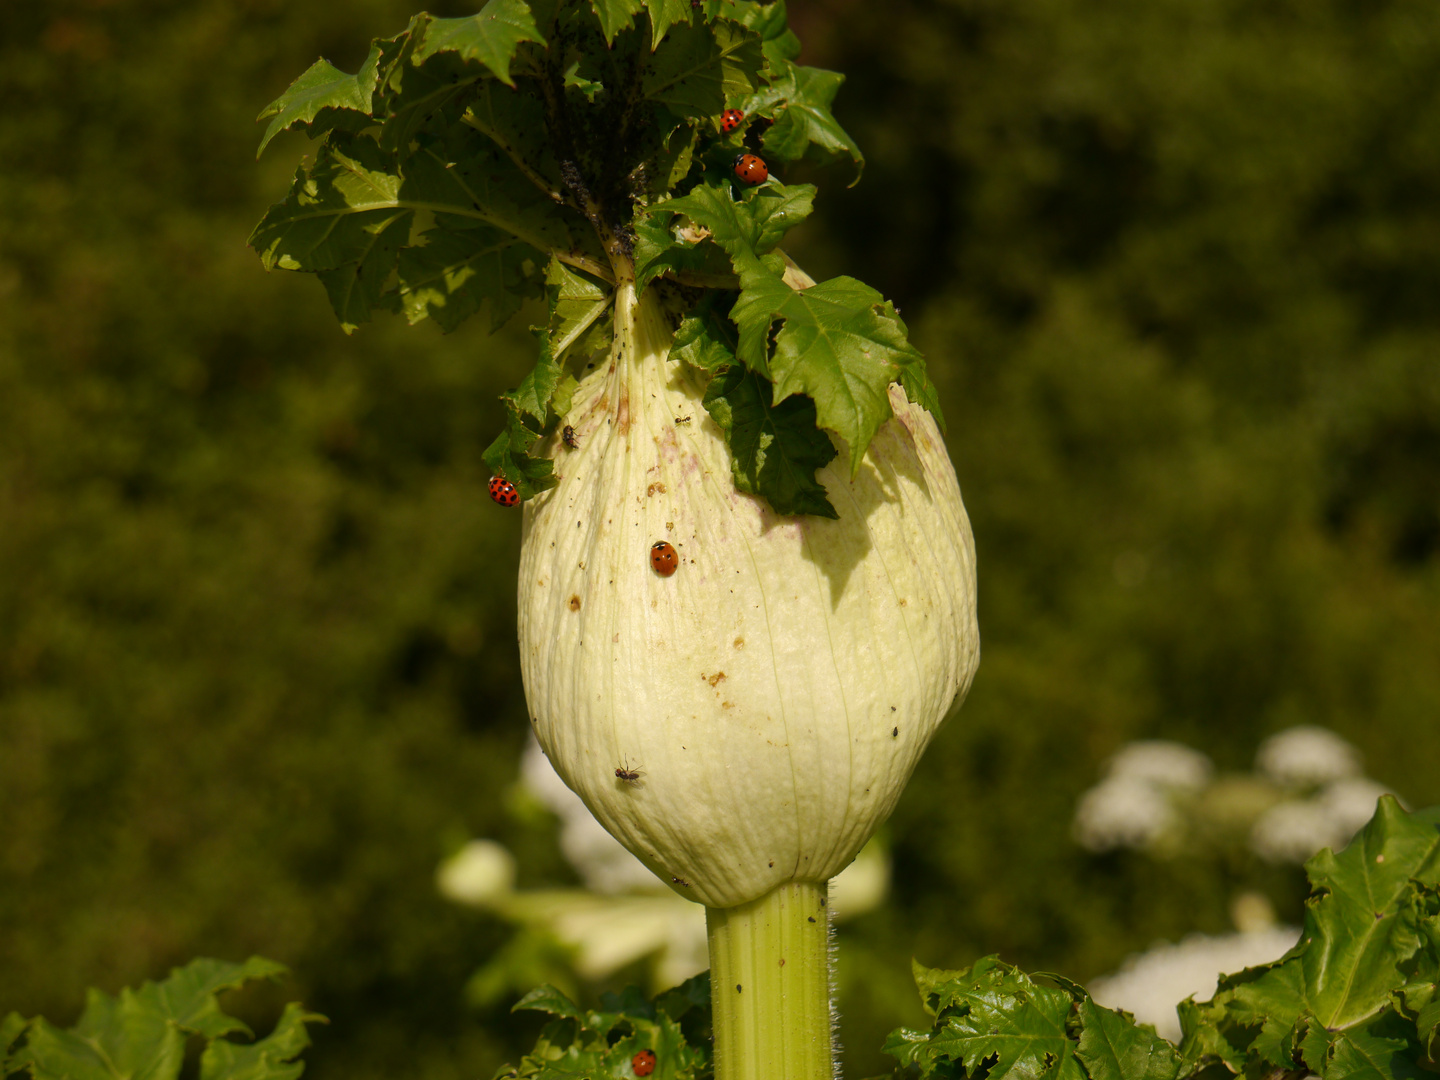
(140, 1035)
(322, 87)
(1113, 1047)
(11, 1025)
(576, 301)
(706, 338)
(271, 1058)
(323, 224)
(602, 1043)
(1017, 1032)
(1360, 1053)
(353, 184)
(615, 15)
(355, 288)
(746, 230)
(546, 998)
(663, 15)
(515, 122)
(492, 37)
(469, 176)
(991, 1016)
(800, 100)
(772, 23)
(1361, 926)
(1201, 1037)
(509, 456)
(187, 996)
(774, 449)
(698, 68)
(538, 386)
(453, 274)
(691, 996)
(837, 345)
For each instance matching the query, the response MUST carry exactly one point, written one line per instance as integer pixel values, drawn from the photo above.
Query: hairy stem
(770, 985)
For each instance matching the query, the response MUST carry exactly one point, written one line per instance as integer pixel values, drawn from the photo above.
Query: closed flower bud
(750, 716)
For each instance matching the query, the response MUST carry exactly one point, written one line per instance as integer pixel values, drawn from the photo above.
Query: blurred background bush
(1175, 265)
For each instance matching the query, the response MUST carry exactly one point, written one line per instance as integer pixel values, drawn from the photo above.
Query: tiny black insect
(682, 419)
(568, 437)
(628, 775)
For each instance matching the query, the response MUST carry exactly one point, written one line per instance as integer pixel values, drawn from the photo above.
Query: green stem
(770, 985)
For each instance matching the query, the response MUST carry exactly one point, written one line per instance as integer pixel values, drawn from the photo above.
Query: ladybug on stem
(751, 169)
(503, 491)
(731, 119)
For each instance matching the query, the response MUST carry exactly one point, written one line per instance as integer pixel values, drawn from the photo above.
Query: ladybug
(751, 169)
(503, 491)
(643, 1063)
(568, 437)
(730, 120)
(663, 558)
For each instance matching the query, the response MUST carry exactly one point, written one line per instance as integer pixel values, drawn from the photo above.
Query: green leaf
(271, 1058)
(800, 102)
(745, 230)
(1113, 1047)
(663, 15)
(452, 274)
(1361, 926)
(991, 1016)
(141, 1034)
(547, 999)
(837, 345)
(323, 88)
(601, 1043)
(355, 288)
(772, 23)
(1358, 1053)
(615, 15)
(509, 456)
(706, 339)
(11, 1025)
(515, 122)
(576, 301)
(353, 185)
(697, 69)
(535, 390)
(492, 37)
(774, 449)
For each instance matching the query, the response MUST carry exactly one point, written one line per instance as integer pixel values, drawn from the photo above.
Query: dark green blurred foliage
(1174, 266)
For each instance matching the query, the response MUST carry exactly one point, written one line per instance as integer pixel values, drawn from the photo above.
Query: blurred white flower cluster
(623, 915)
(1307, 792)
(1152, 983)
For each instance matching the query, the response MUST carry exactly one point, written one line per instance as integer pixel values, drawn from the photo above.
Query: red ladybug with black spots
(643, 1063)
(731, 119)
(664, 559)
(503, 491)
(751, 169)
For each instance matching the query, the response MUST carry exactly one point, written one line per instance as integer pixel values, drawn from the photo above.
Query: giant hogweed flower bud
(776, 691)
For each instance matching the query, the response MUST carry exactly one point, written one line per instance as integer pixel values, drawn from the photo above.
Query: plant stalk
(770, 985)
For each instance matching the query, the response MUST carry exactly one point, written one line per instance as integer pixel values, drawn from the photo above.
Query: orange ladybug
(731, 119)
(643, 1063)
(663, 558)
(751, 169)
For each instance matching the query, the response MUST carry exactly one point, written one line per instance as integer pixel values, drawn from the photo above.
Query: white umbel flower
(1151, 984)
(1163, 763)
(769, 700)
(1307, 757)
(1122, 811)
